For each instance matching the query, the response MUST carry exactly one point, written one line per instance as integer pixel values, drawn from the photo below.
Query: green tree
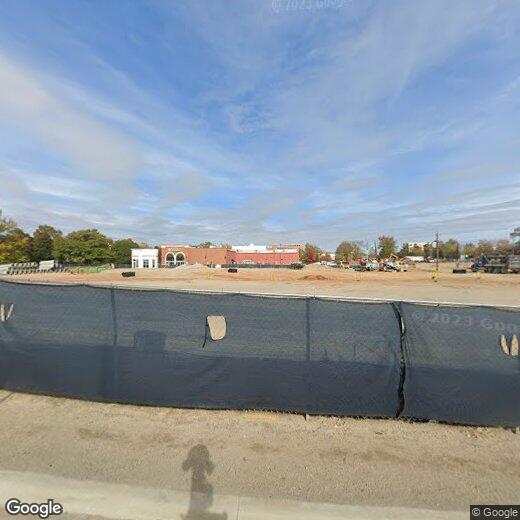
(15, 244)
(310, 254)
(469, 250)
(348, 251)
(405, 250)
(226, 245)
(205, 244)
(450, 249)
(484, 246)
(42, 245)
(387, 246)
(84, 247)
(122, 251)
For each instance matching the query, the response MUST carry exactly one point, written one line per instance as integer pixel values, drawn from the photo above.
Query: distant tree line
(82, 247)
(90, 247)
(451, 249)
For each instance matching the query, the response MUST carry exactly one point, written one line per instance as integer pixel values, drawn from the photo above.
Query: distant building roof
(251, 248)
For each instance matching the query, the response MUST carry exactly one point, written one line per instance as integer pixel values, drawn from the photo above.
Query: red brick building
(173, 255)
(279, 257)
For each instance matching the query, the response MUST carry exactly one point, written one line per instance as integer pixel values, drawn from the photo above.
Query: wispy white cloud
(229, 121)
(90, 146)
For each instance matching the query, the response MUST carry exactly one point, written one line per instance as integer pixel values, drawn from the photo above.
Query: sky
(238, 121)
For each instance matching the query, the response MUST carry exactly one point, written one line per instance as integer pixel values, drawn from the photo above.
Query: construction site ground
(415, 284)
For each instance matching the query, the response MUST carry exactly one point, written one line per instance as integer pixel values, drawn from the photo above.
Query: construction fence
(312, 355)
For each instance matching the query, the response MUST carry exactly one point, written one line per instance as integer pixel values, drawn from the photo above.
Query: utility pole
(437, 253)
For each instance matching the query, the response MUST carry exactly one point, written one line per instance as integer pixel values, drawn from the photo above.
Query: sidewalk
(123, 502)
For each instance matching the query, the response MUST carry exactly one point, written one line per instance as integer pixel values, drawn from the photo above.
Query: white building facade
(251, 248)
(145, 258)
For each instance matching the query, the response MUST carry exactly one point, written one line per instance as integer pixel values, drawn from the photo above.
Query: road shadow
(199, 463)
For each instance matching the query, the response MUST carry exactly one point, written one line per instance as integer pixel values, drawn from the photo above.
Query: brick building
(174, 255)
(277, 257)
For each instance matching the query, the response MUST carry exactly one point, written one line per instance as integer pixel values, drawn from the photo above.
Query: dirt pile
(313, 277)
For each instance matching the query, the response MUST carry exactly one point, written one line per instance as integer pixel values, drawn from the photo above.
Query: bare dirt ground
(281, 456)
(416, 284)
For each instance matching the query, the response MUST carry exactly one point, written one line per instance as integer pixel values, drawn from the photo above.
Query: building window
(153, 263)
(145, 263)
(170, 260)
(135, 262)
(180, 259)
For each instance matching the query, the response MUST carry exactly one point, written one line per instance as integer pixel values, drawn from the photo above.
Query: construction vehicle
(497, 263)
(372, 265)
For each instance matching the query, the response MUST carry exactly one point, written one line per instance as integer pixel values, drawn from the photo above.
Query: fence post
(308, 351)
(402, 359)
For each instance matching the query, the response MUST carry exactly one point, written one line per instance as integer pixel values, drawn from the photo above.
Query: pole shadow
(199, 463)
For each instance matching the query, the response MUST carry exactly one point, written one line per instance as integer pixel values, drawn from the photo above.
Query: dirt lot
(282, 456)
(416, 284)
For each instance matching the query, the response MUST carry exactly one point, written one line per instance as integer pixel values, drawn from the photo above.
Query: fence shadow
(199, 463)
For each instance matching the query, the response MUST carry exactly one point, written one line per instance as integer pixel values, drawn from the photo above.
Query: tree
(469, 250)
(86, 246)
(416, 250)
(42, 245)
(122, 250)
(484, 246)
(504, 246)
(405, 250)
(387, 246)
(15, 244)
(427, 250)
(226, 245)
(450, 249)
(205, 244)
(310, 254)
(348, 251)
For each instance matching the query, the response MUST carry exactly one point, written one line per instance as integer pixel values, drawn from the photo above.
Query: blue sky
(264, 121)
